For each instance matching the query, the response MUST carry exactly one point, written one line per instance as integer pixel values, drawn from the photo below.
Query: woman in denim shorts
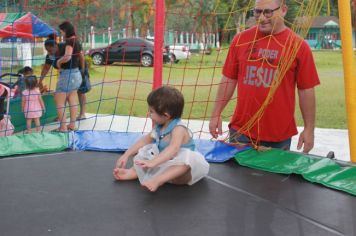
(54, 52)
(69, 77)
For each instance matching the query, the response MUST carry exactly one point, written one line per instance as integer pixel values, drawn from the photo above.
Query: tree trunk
(243, 22)
(130, 22)
(238, 22)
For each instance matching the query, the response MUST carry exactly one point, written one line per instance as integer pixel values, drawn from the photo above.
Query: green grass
(331, 109)
(131, 84)
(125, 88)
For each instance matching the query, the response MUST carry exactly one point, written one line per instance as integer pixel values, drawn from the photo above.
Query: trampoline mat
(73, 193)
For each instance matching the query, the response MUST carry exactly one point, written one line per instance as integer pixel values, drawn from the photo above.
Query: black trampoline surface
(74, 193)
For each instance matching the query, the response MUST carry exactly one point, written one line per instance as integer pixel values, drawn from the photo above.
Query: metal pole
(158, 44)
(349, 72)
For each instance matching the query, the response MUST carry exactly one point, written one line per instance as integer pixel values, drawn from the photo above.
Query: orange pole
(349, 72)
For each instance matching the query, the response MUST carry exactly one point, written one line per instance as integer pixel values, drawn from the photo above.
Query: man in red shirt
(260, 59)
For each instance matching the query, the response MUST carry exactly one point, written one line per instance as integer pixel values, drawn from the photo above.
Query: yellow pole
(349, 72)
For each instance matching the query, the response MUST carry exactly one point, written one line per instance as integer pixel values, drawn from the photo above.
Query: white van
(175, 52)
(178, 52)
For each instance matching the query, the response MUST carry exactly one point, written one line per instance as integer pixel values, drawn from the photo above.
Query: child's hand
(40, 85)
(145, 163)
(121, 162)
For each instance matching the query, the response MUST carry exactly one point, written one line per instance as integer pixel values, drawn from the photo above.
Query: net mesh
(196, 37)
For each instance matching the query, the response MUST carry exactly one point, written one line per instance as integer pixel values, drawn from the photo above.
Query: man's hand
(215, 126)
(306, 140)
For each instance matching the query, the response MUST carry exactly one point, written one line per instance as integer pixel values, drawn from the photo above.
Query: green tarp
(33, 143)
(18, 118)
(317, 170)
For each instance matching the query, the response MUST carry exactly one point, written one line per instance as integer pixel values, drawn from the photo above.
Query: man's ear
(284, 9)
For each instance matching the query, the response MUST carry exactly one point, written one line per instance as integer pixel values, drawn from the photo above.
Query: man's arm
(226, 89)
(82, 61)
(307, 107)
(45, 69)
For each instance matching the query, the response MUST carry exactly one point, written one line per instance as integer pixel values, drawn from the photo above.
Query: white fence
(21, 53)
(192, 39)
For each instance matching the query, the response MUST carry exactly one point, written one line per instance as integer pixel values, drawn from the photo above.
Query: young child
(167, 154)
(20, 85)
(32, 103)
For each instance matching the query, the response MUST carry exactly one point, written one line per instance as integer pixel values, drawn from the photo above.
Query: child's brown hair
(168, 100)
(31, 82)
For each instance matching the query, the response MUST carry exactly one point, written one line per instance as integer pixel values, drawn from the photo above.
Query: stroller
(6, 127)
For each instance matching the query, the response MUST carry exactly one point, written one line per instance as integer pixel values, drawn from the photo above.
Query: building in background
(324, 33)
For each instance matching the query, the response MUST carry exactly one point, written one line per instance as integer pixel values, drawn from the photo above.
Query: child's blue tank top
(159, 135)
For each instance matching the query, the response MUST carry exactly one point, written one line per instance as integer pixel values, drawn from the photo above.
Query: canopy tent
(22, 28)
(23, 25)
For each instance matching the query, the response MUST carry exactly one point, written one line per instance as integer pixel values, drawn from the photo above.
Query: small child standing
(19, 86)
(32, 103)
(167, 154)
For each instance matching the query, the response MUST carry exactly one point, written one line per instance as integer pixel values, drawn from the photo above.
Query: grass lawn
(330, 95)
(122, 89)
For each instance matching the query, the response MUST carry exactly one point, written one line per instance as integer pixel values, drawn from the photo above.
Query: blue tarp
(103, 140)
(214, 151)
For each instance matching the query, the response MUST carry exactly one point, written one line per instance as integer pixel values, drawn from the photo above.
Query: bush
(88, 61)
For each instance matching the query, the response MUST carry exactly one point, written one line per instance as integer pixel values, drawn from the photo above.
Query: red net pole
(158, 44)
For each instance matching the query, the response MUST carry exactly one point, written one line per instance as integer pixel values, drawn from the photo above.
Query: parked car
(178, 52)
(126, 50)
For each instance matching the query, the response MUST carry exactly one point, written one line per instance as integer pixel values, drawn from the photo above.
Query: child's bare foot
(71, 128)
(124, 174)
(151, 185)
(28, 131)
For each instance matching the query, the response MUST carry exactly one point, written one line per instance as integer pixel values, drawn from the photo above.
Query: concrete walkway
(326, 140)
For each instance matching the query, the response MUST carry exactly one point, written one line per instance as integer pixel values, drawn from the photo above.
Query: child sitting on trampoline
(32, 103)
(166, 154)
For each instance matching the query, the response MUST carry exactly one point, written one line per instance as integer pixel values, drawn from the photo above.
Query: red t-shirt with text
(253, 59)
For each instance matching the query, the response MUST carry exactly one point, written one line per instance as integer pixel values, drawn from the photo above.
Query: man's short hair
(280, 2)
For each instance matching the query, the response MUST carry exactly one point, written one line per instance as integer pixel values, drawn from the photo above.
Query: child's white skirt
(199, 167)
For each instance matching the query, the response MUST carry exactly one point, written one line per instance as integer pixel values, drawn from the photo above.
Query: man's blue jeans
(234, 137)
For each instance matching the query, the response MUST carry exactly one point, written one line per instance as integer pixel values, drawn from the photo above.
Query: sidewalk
(326, 140)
